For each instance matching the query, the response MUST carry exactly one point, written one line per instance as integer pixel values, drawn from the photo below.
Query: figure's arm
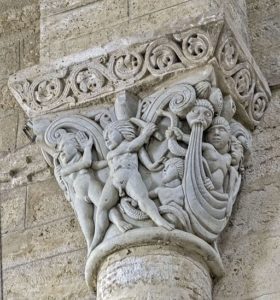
(178, 133)
(145, 134)
(207, 146)
(98, 165)
(83, 163)
(153, 194)
(146, 161)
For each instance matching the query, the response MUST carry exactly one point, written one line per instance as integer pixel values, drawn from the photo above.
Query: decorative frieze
(62, 86)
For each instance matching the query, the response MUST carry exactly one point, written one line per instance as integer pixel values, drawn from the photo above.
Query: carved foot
(124, 226)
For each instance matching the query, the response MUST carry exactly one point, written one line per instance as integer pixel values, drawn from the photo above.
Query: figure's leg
(84, 212)
(116, 218)
(109, 198)
(94, 191)
(137, 190)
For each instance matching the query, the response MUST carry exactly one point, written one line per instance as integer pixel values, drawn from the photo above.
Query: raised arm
(98, 165)
(83, 163)
(145, 134)
(178, 134)
(153, 194)
(146, 161)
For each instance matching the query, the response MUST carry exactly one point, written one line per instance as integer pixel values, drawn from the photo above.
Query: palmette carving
(177, 163)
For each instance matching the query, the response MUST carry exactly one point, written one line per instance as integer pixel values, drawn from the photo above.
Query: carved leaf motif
(90, 80)
(164, 56)
(127, 65)
(48, 91)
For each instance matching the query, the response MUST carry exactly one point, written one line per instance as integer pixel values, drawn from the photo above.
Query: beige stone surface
(95, 32)
(9, 127)
(13, 209)
(23, 166)
(22, 139)
(42, 262)
(25, 246)
(153, 272)
(250, 246)
(265, 36)
(58, 277)
(45, 203)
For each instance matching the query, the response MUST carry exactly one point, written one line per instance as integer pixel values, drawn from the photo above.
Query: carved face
(200, 114)
(218, 136)
(113, 138)
(169, 173)
(236, 153)
(68, 151)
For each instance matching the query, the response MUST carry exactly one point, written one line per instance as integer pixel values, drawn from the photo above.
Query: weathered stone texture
(251, 244)
(23, 166)
(19, 42)
(45, 203)
(12, 209)
(88, 26)
(43, 247)
(58, 277)
(148, 272)
(265, 36)
(8, 125)
(25, 246)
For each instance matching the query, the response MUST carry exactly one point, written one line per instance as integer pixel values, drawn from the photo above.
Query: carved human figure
(124, 146)
(236, 171)
(215, 150)
(171, 190)
(76, 177)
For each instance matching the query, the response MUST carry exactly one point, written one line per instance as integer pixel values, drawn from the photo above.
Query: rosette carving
(195, 45)
(88, 80)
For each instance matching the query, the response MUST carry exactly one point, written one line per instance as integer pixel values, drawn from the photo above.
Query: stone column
(152, 264)
(153, 174)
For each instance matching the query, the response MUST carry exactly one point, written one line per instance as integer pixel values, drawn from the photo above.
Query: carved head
(229, 108)
(173, 169)
(68, 146)
(219, 134)
(236, 151)
(217, 100)
(201, 113)
(118, 131)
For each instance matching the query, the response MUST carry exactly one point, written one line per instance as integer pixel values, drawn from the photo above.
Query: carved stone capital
(149, 144)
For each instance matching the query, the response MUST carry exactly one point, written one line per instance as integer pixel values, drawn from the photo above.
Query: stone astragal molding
(160, 169)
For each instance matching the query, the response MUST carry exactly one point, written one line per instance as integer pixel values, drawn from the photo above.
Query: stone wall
(42, 248)
(43, 251)
(250, 245)
(264, 27)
